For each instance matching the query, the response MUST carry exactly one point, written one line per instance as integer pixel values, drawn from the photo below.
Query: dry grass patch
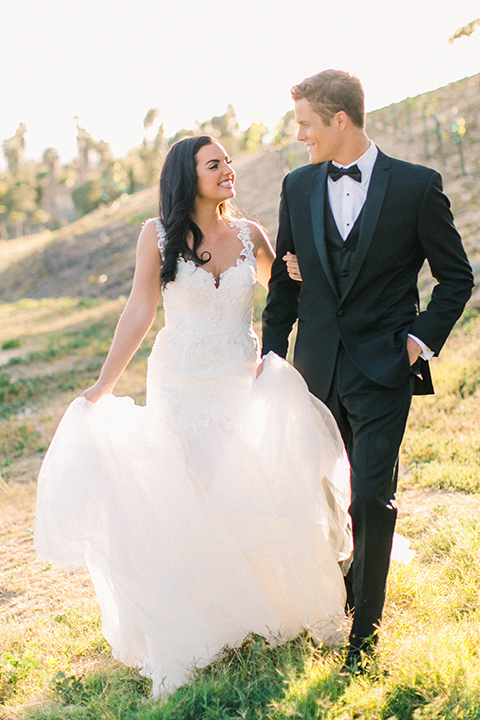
(442, 444)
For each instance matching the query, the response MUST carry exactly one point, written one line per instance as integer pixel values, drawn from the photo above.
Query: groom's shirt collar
(365, 164)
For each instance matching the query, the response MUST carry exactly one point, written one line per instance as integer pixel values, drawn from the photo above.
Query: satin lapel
(371, 212)
(317, 204)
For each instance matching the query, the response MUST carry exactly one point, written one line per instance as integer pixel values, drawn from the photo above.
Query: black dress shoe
(360, 656)
(355, 663)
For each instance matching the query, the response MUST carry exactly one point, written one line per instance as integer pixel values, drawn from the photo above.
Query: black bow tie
(337, 172)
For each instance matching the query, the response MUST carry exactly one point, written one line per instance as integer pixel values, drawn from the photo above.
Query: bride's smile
(215, 175)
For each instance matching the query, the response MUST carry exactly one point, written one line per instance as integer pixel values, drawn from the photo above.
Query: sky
(108, 62)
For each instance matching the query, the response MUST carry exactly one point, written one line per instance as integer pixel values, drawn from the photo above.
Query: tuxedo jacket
(406, 219)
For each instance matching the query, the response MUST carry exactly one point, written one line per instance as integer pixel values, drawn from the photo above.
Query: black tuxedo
(352, 331)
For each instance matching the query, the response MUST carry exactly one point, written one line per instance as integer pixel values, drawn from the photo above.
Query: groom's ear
(341, 120)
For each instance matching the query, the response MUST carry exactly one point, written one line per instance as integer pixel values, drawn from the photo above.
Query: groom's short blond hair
(330, 91)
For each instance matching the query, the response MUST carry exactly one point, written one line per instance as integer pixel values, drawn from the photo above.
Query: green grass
(10, 344)
(428, 665)
(54, 662)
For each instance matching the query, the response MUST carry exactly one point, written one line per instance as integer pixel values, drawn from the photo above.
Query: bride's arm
(265, 256)
(264, 253)
(138, 316)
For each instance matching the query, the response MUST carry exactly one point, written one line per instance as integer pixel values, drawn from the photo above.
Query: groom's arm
(281, 310)
(449, 265)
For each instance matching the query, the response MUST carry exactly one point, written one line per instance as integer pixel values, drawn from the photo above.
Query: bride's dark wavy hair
(178, 190)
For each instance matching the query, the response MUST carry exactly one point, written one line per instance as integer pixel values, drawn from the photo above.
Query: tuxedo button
(344, 273)
(340, 313)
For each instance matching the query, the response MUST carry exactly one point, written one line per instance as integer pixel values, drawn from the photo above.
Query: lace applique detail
(162, 235)
(245, 236)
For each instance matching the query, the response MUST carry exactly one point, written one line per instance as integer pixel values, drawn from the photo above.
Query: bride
(221, 507)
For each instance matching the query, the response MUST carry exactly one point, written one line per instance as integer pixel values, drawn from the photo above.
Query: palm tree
(14, 148)
(465, 30)
(148, 121)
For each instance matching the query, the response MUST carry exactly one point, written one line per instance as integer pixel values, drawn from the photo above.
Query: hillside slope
(424, 130)
(94, 256)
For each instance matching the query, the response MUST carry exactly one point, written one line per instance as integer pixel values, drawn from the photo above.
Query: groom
(361, 225)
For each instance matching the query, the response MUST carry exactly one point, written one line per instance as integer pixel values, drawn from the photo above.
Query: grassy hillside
(54, 662)
(421, 130)
(94, 256)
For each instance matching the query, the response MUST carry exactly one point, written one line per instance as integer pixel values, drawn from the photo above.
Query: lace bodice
(208, 321)
(198, 304)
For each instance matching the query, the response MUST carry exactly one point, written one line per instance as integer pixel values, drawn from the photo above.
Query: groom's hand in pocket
(414, 350)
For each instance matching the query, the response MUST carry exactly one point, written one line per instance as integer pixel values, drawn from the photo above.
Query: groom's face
(323, 142)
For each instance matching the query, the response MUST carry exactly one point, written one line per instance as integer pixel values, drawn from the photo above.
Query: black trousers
(372, 422)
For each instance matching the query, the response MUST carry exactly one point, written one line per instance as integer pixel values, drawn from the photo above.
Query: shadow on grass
(403, 701)
(113, 693)
(255, 682)
(251, 682)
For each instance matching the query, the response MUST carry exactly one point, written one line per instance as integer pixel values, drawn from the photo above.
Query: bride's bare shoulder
(152, 231)
(152, 226)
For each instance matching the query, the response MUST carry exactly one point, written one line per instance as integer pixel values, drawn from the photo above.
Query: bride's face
(215, 175)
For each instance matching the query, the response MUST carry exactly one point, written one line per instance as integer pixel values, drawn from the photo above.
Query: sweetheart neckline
(244, 235)
(216, 281)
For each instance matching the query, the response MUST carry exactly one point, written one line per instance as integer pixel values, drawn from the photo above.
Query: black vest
(340, 252)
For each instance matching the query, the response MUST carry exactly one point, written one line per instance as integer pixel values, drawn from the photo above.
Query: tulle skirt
(212, 512)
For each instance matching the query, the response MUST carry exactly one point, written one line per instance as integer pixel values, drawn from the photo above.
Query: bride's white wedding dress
(219, 508)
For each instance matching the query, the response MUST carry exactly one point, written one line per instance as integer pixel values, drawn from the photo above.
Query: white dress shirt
(347, 197)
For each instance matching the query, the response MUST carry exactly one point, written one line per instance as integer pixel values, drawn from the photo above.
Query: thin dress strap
(245, 236)
(162, 236)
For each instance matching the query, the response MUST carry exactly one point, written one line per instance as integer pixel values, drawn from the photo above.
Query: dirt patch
(423, 502)
(26, 583)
